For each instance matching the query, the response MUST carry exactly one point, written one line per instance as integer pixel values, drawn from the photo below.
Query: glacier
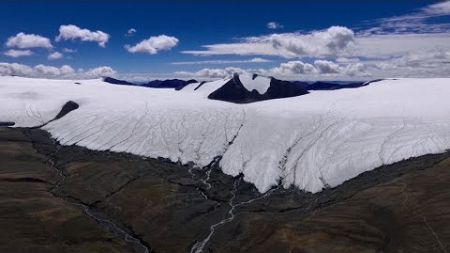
(312, 142)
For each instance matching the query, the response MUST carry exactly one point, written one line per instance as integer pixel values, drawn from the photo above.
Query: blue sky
(194, 24)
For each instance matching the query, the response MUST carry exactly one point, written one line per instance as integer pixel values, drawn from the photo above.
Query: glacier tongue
(313, 141)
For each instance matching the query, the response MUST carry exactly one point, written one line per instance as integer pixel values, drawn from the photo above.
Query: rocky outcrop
(169, 83)
(6, 123)
(116, 81)
(235, 91)
(65, 109)
(321, 85)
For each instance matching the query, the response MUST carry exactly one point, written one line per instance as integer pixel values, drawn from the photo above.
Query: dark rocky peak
(248, 89)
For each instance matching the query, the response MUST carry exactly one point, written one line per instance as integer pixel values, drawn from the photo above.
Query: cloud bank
(329, 42)
(217, 62)
(65, 71)
(294, 70)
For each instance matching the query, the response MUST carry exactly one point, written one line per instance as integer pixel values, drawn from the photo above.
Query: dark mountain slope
(234, 91)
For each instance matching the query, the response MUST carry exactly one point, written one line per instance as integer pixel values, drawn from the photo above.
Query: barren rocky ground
(69, 199)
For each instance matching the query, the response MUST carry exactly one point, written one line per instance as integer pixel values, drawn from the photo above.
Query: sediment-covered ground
(57, 198)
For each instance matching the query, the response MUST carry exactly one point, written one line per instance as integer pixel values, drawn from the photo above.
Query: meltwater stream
(200, 246)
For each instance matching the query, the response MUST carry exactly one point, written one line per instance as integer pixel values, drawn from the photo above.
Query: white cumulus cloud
(66, 70)
(44, 70)
(55, 56)
(153, 44)
(69, 50)
(274, 25)
(18, 53)
(131, 32)
(320, 68)
(326, 67)
(73, 32)
(100, 72)
(292, 68)
(23, 41)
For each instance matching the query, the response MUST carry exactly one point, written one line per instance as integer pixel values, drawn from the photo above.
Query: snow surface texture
(260, 84)
(206, 88)
(312, 141)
